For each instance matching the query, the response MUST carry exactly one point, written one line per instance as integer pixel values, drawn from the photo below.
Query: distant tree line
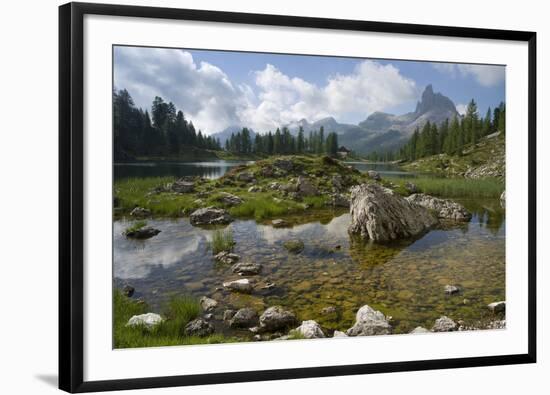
(451, 137)
(282, 142)
(164, 132)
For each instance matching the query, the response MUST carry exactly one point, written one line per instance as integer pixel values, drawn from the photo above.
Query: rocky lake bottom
(333, 276)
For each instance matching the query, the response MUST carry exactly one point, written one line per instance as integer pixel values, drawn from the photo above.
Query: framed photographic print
(251, 197)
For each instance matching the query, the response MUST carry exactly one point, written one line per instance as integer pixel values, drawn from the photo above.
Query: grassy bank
(485, 159)
(177, 314)
(453, 187)
(265, 202)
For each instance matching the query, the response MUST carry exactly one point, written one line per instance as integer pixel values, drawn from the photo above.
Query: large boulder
(148, 320)
(444, 324)
(247, 268)
(210, 216)
(445, 209)
(198, 327)
(276, 318)
(310, 330)
(244, 318)
(380, 214)
(243, 285)
(369, 322)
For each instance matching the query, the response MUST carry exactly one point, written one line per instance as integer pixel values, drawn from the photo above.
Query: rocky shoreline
(379, 213)
(278, 323)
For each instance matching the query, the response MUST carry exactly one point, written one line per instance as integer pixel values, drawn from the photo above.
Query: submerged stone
(294, 246)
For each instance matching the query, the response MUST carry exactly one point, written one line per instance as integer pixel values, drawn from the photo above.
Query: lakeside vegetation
(452, 187)
(178, 312)
(222, 240)
(265, 201)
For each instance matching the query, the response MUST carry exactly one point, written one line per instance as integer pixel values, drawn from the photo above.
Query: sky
(218, 89)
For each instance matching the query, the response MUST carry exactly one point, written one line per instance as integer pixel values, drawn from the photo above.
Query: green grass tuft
(222, 240)
(135, 227)
(177, 314)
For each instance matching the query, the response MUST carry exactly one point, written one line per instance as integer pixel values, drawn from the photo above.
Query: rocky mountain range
(380, 131)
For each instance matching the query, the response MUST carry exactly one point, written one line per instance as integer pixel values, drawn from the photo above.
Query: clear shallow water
(209, 169)
(404, 280)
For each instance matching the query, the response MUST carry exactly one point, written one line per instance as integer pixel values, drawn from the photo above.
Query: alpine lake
(404, 279)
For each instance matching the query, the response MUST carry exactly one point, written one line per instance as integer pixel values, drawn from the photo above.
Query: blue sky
(216, 89)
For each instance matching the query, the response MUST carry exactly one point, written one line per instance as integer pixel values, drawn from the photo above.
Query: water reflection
(402, 279)
(208, 169)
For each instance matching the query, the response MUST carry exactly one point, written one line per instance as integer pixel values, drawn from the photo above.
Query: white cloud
(202, 91)
(370, 87)
(461, 108)
(212, 101)
(485, 75)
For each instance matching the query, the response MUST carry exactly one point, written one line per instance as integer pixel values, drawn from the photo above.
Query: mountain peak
(431, 101)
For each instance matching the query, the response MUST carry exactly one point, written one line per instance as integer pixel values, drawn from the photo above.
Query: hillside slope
(486, 159)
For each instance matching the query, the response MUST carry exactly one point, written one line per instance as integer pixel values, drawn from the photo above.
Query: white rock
(419, 329)
(369, 322)
(207, 303)
(310, 330)
(148, 320)
(339, 334)
(445, 209)
(243, 285)
(451, 289)
(444, 324)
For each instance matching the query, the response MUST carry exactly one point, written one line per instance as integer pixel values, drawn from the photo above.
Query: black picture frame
(71, 203)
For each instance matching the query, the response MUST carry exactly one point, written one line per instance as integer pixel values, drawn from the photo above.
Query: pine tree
(300, 147)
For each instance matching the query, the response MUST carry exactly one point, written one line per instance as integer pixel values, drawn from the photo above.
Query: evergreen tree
(300, 145)
(277, 142)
